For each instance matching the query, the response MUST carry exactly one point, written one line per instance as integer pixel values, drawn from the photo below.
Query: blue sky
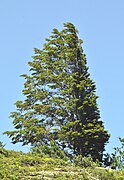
(25, 24)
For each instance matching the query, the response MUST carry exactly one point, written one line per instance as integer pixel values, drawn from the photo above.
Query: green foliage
(60, 102)
(2, 145)
(116, 159)
(84, 161)
(50, 151)
(18, 165)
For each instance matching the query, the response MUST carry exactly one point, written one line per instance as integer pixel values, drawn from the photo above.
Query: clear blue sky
(25, 24)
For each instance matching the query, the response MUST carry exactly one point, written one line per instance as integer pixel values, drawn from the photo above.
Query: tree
(115, 160)
(60, 104)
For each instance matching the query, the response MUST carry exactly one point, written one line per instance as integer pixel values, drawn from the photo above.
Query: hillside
(21, 166)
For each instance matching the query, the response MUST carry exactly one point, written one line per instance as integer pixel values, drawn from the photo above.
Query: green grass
(25, 166)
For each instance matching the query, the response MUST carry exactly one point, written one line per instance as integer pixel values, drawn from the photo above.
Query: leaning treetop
(60, 101)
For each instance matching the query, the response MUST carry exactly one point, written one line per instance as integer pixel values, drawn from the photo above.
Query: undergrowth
(18, 166)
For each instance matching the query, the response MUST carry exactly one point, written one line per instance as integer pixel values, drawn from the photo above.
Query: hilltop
(18, 165)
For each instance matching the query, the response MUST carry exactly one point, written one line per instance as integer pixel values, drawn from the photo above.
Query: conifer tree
(60, 102)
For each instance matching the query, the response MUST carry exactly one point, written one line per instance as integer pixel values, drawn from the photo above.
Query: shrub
(83, 161)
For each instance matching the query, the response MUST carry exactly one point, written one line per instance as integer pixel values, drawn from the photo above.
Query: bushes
(84, 161)
(50, 151)
(18, 165)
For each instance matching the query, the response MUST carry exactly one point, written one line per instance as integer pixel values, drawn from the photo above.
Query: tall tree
(60, 104)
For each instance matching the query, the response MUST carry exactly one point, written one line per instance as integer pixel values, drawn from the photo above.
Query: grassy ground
(26, 166)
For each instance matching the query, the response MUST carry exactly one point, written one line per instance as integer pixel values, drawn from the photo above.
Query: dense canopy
(60, 103)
